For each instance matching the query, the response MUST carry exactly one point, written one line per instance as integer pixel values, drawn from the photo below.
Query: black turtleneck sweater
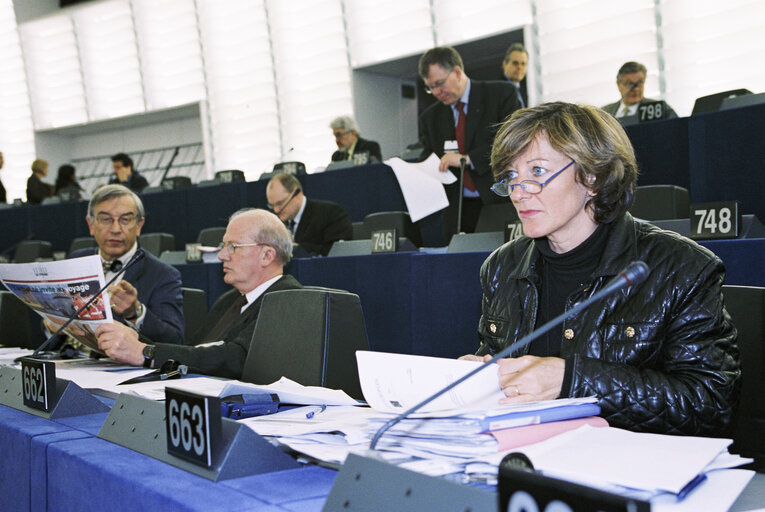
(561, 275)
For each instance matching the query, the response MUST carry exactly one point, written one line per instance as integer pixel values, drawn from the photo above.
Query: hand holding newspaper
(57, 289)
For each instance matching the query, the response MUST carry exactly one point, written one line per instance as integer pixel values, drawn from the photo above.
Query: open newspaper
(56, 289)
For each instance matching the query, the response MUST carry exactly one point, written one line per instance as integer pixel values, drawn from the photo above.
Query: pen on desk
(311, 414)
(690, 486)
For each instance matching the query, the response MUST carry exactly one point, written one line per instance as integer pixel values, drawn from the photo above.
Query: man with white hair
(255, 248)
(350, 145)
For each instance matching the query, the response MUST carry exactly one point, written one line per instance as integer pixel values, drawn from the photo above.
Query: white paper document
(422, 185)
(395, 382)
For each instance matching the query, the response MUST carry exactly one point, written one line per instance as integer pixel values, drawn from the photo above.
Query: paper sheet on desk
(422, 185)
(290, 392)
(396, 382)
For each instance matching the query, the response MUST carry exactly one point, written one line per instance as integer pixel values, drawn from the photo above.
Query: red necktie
(460, 133)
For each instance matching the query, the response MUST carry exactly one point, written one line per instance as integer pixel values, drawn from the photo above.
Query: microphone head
(139, 254)
(636, 272)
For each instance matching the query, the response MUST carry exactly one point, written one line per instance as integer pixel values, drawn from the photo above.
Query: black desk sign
(39, 383)
(384, 240)
(525, 491)
(513, 230)
(652, 111)
(193, 426)
(715, 220)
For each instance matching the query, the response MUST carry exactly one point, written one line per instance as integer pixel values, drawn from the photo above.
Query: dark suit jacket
(322, 224)
(488, 105)
(370, 147)
(135, 182)
(226, 359)
(613, 108)
(37, 190)
(3, 198)
(159, 290)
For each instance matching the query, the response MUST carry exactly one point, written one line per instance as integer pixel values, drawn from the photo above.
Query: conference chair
(51, 200)
(194, 312)
(661, 202)
(318, 350)
(712, 102)
(152, 190)
(496, 217)
(289, 168)
(473, 242)
(174, 182)
(746, 306)
(229, 176)
(70, 194)
(83, 242)
(14, 327)
(360, 232)
(211, 237)
(398, 220)
(32, 250)
(173, 257)
(157, 243)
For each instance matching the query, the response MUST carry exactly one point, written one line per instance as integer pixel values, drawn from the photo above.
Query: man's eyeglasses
(504, 188)
(279, 207)
(338, 134)
(231, 247)
(438, 85)
(126, 221)
(632, 85)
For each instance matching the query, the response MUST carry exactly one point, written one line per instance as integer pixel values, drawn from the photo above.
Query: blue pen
(690, 486)
(311, 414)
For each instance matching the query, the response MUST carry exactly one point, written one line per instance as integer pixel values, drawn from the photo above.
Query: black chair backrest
(360, 231)
(69, 194)
(229, 176)
(14, 327)
(194, 312)
(174, 182)
(157, 243)
(712, 102)
(32, 250)
(83, 242)
(289, 168)
(746, 306)
(496, 217)
(661, 202)
(398, 220)
(211, 237)
(319, 350)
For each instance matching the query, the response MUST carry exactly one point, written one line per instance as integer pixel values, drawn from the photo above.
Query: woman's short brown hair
(590, 137)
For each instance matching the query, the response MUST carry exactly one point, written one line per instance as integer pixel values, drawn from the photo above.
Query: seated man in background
(514, 67)
(149, 297)
(630, 80)
(350, 146)
(256, 246)
(315, 224)
(125, 175)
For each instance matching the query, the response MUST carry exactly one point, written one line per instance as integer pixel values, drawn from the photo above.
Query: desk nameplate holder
(70, 399)
(372, 485)
(139, 424)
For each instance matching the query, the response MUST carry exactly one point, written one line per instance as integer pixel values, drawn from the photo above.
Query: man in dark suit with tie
(350, 145)
(630, 80)
(255, 248)
(514, 67)
(149, 296)
(316, 224)
(462, 125)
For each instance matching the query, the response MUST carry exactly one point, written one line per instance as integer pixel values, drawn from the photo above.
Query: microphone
(463, 161)
(630, 90)
(138, 256)
(633, 274)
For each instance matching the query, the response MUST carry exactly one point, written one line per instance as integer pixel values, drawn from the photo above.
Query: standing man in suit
(514, 67)
(125, 175)
(350, 146)
(462, 125)
(315, 224)
(630, 80)
(149, 297)
(255, 248)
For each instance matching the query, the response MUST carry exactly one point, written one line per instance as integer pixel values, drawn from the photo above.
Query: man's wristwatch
(148, 355)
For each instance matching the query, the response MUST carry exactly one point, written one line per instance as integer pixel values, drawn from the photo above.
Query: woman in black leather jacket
(660, 356)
